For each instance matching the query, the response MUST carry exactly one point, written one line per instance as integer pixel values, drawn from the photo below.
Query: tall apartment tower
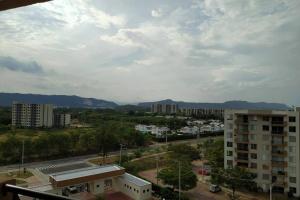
(32, 115)
(267, 143)
(62, 120)
(164, 108)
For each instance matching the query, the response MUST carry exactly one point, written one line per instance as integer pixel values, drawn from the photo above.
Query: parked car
(214, 188)
(203, 172)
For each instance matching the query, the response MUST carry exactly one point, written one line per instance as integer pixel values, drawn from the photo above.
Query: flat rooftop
(83, 172)
(135, 180)
(85, 175)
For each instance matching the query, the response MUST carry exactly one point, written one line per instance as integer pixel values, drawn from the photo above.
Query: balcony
(279, 173)
(279, 153)
(279, 143)
(9, 191)
(279, 163)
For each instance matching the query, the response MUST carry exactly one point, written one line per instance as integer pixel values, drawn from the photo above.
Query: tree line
(52, 144)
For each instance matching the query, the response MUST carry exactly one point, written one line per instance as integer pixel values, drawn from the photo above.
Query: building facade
(62, 120)
(164, 108)
(202, 112)
(32, 115)
(99, 180)
(267, 144)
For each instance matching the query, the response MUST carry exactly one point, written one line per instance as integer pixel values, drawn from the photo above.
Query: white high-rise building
(32, 115)
(267, 143)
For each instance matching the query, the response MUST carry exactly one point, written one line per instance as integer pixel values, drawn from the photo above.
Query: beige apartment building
(32, 115)
(62, 120)
(267, 143)
(202, 112)
(164, 108)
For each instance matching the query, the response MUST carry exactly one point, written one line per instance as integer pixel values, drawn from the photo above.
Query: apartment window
(230, 117)
(229, 134)
(144, 191)
(253, 137)
(291, 159)
(266, 176)
(293, 190)
(253, 156)
(266, 147)
(265, 128)
(253, 165)
(291, 149)
(229, 144)
(292, 119)
(292, 138)
(229, 163)
(265, 118)
(292, 129)
(253, 146)
(252, 127)
(229, 153)
(265, 137)
(265, 167)
(292, 179)
(292, 169)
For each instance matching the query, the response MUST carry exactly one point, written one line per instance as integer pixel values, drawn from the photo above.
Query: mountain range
(6, 99)
(225, 105)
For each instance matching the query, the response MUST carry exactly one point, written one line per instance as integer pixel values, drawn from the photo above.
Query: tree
(184, 150)
(170, 175)
(235, 178)
(214, 152)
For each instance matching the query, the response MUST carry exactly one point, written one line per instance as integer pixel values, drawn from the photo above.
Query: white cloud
(156, 13)
(211, 50)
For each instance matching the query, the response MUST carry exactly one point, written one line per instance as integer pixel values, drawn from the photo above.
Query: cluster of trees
(5, 118)
(60, 143)
(179, 166)
(234, 178)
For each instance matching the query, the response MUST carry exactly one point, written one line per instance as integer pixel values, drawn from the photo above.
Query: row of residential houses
(192, 129)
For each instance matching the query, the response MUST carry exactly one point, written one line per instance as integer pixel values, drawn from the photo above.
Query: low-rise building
(144, 128)
(98, 180)
(160, 131)
(189, 130)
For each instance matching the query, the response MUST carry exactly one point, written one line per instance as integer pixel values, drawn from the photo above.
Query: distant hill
(6, 99)
(225, 105)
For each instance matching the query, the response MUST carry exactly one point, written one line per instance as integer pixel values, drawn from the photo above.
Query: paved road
(86, 157)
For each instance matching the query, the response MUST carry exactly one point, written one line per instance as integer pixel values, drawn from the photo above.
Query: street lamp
(120, 159)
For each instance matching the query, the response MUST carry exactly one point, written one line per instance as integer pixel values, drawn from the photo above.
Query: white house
(193, 130)
(99, 180)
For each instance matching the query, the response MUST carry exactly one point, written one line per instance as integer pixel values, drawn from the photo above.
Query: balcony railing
(12, 192)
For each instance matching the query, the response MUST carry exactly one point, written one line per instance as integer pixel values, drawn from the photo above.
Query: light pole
(120, 159)
(179, 179)
(157, 170)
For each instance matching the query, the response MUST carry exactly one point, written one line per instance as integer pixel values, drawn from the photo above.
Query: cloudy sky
(133, 50)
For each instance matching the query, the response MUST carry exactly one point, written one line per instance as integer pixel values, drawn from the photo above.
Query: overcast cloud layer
(132, 50)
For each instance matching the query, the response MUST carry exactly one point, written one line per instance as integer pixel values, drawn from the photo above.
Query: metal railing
(16, 191)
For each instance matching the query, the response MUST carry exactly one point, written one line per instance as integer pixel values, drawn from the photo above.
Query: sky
(133, 51)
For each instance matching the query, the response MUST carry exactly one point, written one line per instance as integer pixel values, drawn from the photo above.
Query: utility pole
(120, 159)
(157, 170)
(166, 137)
(179, 179)
(23, 153)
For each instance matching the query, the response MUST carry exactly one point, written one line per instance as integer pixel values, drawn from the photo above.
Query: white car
(214, 188)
